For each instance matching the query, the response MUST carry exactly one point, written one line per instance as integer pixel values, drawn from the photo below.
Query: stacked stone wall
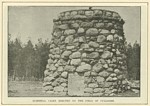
(87, 43)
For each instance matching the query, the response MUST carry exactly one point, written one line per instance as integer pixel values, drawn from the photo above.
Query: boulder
(58, 34)
(50, 92)
(84, 55)
(117, 52)
(69, 39)
(136, 91)
(97, 67)
(83, 68)
(120, 38)
(46, 73)
(93, 73)
(92, 32)
(61, 80)
(108, 84)
(64, 74)
(116, 15)
(55, 51)
(62, 62)
(63, 26)
(88, 90)
(58, 89)
(79, 17)
(85, 46)
(70, 47)
(101, 46)
(104, 74)
(64, 84)
(69, 68)
(60, 69)
(87, 74)
(100, 90)
(88, 80)
(109, 79)
(69, 32)
(89, 50)
(93, 55)
(93, 44)
(107, 91)
(110, 38)
(104, 31)
(81, 39)
(74, 13)
(75, 55)
(105, 66)
(55, 83)
(109, 25)
(56, 56)
(89, 13)
(49, 79)
(99, 25)
(102, 61)
(81, 12)
(117, 71)
(101, 38)
(113, 31)
(50, 61)
(106, 55)
(120, 77)
(113, 75)
(116, 36)
(75, 25)
(93, 85)
(47, 84)
(80, 30)
(52, 46)
(67, 15)
(56, 74)
(75, 62)
(87, 24)
(52, 67)
(100, 79)
(66, 54)
(98, 12)
(115, 79)
(110, 69)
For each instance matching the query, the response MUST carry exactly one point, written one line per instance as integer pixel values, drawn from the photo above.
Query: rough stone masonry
(87, 54)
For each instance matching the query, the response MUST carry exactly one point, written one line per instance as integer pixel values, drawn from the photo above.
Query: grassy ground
(34, 89)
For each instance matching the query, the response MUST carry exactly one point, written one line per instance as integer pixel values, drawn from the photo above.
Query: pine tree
(10, 56)
(133, 61)
(42, 51)
(17, 66)
(29, 60)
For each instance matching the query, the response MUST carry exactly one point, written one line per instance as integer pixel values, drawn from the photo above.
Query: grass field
(34, 89)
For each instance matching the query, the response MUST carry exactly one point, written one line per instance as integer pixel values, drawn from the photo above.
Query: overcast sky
(37, 22)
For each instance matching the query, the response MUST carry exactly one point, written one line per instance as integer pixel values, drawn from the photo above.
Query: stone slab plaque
(75, 85)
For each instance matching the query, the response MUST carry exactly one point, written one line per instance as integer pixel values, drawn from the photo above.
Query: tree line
(28, 61)
(133, 61)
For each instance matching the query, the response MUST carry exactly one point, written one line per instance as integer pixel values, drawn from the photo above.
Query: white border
(117, 100)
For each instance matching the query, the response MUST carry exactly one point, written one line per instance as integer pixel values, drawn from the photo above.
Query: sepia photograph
(75, 53)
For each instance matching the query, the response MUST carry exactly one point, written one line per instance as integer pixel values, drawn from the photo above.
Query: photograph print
(74, 51)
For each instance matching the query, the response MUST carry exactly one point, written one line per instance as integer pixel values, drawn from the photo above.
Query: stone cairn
(89, 43)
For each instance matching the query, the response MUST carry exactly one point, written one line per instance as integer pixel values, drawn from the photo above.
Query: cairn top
(89, 14)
